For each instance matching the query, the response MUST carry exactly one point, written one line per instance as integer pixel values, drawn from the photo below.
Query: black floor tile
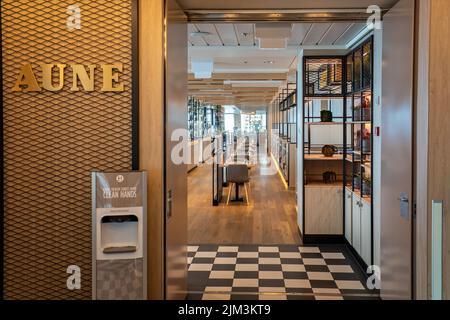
(312, 268)
(269, 254)
(246, 275)
(291, 261)
(271, 283)
(270, 267)
(323, 284)
(247, 261)
(224, 267)
(295, 275)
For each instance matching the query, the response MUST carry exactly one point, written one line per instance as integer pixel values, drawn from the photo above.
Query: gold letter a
(26, 81)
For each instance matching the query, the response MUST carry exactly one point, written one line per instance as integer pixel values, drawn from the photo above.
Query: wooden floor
(269, 219)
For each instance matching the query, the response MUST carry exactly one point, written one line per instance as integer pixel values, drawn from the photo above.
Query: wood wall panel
(53, 140)
(151, 133)
(439, 122)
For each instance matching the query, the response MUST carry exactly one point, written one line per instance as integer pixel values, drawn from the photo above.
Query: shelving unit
(284, 133)
(322, 92)
(359, 156)
(204, 121)
(344, 86)
(323, 176)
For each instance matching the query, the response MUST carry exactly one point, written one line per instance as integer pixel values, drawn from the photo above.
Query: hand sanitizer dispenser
(119, 235)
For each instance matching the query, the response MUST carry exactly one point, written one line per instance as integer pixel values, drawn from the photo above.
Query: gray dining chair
(237, 174)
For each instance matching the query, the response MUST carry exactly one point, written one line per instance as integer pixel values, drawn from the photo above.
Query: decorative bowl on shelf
(326, 116)
(329, 150)
(329, 177)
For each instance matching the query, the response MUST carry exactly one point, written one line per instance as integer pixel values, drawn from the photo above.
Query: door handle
(404, 205)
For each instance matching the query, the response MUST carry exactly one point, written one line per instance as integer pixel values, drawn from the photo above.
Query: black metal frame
(344, 96)
(361, 91)
(311, 238)
(281, 122)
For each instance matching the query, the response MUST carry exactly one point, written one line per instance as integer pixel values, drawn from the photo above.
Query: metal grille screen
(52, 140)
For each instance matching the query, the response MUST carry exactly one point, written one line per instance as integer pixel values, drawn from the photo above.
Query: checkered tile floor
(252, 272)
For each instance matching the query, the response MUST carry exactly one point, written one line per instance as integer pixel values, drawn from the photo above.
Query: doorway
(230, 252)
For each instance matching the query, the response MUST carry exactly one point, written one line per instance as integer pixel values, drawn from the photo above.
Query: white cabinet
(348, 215)
(356, 223)
(366, 233)
(323, 208)
(361, 225)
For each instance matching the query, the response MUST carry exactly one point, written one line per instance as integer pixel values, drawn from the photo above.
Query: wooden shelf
(320, 184)
(321, 157)
(324, 123)
(359, 122)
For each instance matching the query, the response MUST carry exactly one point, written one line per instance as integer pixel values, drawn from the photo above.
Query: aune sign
(81, 74)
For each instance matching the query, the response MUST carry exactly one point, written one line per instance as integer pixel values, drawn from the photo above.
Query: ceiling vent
(273, 36)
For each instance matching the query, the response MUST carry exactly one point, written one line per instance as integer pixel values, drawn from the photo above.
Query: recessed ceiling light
(269, 62)
(200, 33)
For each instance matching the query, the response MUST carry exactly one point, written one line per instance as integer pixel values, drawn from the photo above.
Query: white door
(348, 215)
(366, 233)
(356, 223)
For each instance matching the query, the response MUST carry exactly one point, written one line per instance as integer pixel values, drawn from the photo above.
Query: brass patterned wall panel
(53, 140)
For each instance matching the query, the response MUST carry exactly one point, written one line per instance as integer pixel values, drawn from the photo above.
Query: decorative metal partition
(54, 139)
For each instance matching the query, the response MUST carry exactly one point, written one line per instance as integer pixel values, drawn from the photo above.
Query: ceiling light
(202, 69)
(273, 36)
(200, 33)
(269, 62)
